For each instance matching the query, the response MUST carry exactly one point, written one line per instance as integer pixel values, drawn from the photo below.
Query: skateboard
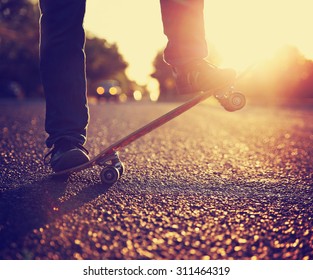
(108, 159)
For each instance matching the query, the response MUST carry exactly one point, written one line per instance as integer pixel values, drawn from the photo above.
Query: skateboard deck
(113, 168)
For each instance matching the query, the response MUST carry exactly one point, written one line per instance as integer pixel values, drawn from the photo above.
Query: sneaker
(66, 154)
(202, 76)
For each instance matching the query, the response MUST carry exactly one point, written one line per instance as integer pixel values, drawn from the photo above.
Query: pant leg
(183, 25)
(62, 66)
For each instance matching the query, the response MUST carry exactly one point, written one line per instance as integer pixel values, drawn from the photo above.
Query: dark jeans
(62, 58)
(183, 25)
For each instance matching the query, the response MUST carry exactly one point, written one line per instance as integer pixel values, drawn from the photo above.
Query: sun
(247, 31)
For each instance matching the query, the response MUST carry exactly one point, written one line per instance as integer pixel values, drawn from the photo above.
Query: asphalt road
(208, 185)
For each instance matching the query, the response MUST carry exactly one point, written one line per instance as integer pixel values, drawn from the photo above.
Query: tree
(19, 52)
(164, 76)
(103, 62)
(287, 75)
(293, 73)
(19, 48)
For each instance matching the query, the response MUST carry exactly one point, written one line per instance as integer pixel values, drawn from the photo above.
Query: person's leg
(62, 65)
(183, 24)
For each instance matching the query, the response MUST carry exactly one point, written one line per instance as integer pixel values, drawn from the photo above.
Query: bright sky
(242, 31)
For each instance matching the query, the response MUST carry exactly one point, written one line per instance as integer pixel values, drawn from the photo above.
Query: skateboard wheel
(109, 175)
(235, 101)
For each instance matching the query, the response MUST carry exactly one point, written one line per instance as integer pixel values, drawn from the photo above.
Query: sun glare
(242, 31)
(246, 31)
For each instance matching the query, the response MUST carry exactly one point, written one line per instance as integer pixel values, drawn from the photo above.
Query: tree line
(19, 54)
(286, 76)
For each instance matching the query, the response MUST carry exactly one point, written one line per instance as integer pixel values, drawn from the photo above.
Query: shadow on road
(32, 206)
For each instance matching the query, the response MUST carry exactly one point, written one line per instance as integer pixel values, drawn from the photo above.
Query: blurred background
(125, 42)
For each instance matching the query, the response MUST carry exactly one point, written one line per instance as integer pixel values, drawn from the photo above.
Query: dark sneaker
(66, 154)
(202, 76)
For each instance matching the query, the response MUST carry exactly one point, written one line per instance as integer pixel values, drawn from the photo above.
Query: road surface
(208, 185)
